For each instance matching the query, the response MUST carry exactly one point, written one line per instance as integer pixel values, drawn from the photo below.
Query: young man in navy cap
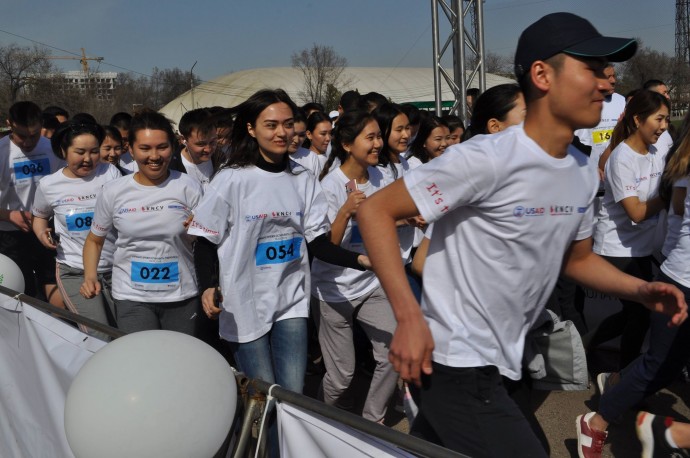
(509, 210)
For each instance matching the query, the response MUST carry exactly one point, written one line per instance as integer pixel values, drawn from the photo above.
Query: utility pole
(191, 82)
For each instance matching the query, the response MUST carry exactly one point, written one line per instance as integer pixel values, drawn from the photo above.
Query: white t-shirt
(261, 222)
(504, 213)
(153, 259)
(414, 162)
(599, 137)
(72, 201)
(308, 159)
(333, 283)
(201, 172)
(20, 173)
(628, 174)
(406, 234)
(676, 265)
(128, 163)
(674, 222)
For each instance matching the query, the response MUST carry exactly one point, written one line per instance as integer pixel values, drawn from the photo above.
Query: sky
(223, 36)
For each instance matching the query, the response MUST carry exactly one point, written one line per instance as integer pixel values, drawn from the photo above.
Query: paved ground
(556, 411)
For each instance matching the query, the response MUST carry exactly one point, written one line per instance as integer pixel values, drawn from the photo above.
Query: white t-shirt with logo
(504, 213)
(628, 174)
(153, 259)
(333, 283)
(72, 201)
(202, 172)
(20, 173)
(261, 222)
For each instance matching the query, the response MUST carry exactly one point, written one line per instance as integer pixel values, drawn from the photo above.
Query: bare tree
(19, 67)
(651, 64)
(322, 67)
(498, 64)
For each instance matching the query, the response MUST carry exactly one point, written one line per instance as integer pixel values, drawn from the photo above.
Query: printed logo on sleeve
(435, 192)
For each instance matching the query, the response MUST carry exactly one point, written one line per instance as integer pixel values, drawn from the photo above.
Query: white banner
(307, 434)
(39, 357)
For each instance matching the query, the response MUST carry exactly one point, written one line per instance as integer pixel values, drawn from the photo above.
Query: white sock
(669, 439)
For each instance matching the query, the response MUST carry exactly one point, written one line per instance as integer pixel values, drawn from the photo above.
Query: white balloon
(10, 275)
(151, 394)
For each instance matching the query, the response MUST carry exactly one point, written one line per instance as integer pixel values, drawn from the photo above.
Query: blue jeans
(669, 350)
(279, 356)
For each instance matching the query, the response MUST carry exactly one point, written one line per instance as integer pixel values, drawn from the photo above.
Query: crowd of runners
(292, 237)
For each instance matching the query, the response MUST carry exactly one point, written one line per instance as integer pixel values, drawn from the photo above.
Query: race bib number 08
(79, 221)
(29, 169)
(278, 251)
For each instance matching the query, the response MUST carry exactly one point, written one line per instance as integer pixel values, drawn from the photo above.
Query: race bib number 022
(155, 272)
(278, 251)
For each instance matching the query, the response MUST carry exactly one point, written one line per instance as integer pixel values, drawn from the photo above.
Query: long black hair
(495, 102)
(244, 149)
(428, 123)
(67, 131)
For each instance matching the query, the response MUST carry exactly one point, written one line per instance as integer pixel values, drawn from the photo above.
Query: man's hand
(209, 302)
(664, 298)
(411, 349)
(21, 219)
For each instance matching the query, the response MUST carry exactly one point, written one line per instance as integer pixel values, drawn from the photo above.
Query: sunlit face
(152, 152)
(437, 141)
(516, 115)
(300, 136)
(82, 156)
(201, 146)
(111, 150)
(26, 138)
(399, 137)
(455, 136)
(320, 137)
(651, 128)
(365, 149)
(577, 91)
(273, 131)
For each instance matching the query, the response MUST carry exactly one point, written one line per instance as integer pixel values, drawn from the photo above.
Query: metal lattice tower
(466, 39)
(683, 30)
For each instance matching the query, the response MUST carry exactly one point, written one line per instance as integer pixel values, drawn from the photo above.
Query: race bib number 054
(278, 251)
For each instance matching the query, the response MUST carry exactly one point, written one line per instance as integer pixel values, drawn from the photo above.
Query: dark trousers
(668, 352)
(467, 409)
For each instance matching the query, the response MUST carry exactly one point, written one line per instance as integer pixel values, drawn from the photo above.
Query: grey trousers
(180, 316)
(99, 308)
(375, 315)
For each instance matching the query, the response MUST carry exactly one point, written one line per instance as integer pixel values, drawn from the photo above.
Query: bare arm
(591, 270)
(92, 254)
(42, 231)
(412, 342)
(639, 211)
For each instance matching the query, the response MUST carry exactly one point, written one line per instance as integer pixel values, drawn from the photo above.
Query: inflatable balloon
(151, 394)
(10, 275)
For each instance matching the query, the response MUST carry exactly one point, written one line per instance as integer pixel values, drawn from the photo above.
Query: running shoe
(590, 442)
(651, 431)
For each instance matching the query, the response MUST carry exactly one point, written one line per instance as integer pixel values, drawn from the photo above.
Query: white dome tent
(401, 85)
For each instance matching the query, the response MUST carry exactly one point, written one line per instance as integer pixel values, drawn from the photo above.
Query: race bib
(278, 251)
(77, 222)
(155, 275)
(600, 137)
(30, 169)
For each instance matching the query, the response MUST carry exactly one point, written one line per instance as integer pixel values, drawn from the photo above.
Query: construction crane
(83, 60)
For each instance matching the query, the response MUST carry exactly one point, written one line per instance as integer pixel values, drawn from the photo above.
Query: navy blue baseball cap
(571, 34)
